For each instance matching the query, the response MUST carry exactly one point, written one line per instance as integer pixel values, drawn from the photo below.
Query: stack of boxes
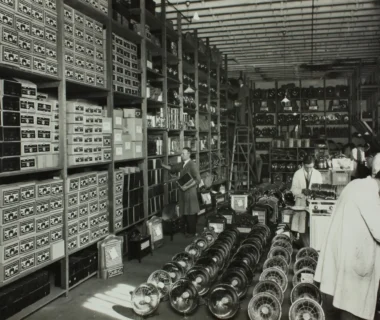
(88, 134)
(84, 49)
(29, 35)
(174, 122)
(156, 187)
(31, 226)
(125, 67)
(127, 133)
(87, 210)
(118, 194)
(100, 5)
(133, 196)
(28, 139)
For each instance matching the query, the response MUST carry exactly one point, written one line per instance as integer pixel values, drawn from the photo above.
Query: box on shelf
(134, 128)
(57, 249)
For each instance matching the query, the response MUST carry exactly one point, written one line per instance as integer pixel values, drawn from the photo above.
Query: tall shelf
(321, 109)
(128, 201)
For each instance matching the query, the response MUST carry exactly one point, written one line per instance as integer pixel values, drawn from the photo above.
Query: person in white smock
(348, 267)
(301, 184)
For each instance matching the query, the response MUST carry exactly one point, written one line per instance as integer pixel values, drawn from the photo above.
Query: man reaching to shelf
(188, 200)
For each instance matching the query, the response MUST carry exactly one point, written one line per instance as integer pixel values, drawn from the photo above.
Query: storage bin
(340, 178)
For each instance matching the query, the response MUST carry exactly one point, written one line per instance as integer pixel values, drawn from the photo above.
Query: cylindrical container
(306, 143)
(299, 143)
(291, 143)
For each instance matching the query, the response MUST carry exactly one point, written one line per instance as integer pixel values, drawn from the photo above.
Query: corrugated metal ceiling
(272, 39)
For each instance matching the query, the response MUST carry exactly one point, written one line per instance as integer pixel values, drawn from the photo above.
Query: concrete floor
(108, 299)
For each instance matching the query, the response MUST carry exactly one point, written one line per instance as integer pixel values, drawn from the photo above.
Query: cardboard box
(72, 243)
(78, 18)
(51, 35)
(50, 20)
(25, 61)
(42, 206)
(27, 245)
(43, 240)
(77, 128)
(39, 65)
(51, 68)
(84, 238)
(9, 270)
(94, 234)
(27, 191)
(75, 149)
(117, 136)
(42, 223)
(9, 55)
(56, 203)
(9, 233)
(23, 26)
(137, 149)
(118, 153)
(107, 154)
(132, 113)
(10, 195)
(56, 234)
(9, 251)
(134, 127)
(73, 118)
(9, 36)
(57, 250)
(84, 210)
(27, 262)
(38, 31)
(9, 215)
(83, 224)
(27, 210)
(43, 256)
(93, 207)
(75, 139)
(73, 228)
(69, 42)
(78, 32)
(51, 51)
(90, 78)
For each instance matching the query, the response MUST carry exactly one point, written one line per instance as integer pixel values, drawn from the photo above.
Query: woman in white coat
(349, 263)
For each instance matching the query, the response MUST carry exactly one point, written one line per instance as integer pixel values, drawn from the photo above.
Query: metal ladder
(243, 172)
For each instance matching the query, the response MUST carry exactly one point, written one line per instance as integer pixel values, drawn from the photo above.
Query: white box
(107, 125)
(57, 249)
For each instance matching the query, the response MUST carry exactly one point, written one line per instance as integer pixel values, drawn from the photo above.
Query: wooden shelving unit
(66, 89)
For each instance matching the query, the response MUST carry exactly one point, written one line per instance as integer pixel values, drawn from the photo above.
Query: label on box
(42, 206)
(42, 224)
(27, 192)
(51, 5)
(83, 196)
(38, 14)
(94, 221)
(94, 233)
(50, 20)
(57, 188)
(103, 192)
(42, 240)
(83, 210)
(9, 214)
(83, 224)
(10, 251)
(23, 25)
(50, 35)
(11, 196)
(52, 68)
(11, 270)
(38, 31)
(10, 55)
(44, 147)
(27, 210)
(27, 227)
(51, 51)
(56, 203)
(43, 256)
(27, 262)
(93, 207)
(25, 61)
(73, 229)
(73, 199)
(69, 43)
(78, 18)
(27, 245)
(56, 235)
(9, 36)
(39, 64)
(25, 7)
(103, 205)
(72, 243)
(56, 219)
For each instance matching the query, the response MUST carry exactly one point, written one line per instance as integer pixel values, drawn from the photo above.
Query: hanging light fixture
(195, 16)
(285, 101)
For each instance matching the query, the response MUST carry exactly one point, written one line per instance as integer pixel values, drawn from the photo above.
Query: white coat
(299, 181)
(349, 263)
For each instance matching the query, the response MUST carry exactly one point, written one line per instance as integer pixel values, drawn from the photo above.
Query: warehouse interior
(189, 159)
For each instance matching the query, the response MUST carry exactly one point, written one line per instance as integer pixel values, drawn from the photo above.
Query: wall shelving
(111, 97)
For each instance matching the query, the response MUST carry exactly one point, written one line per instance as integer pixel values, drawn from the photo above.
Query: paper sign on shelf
(307, 278)
(113, 253)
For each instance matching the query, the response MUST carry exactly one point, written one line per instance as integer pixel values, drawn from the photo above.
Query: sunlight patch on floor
(105, 302)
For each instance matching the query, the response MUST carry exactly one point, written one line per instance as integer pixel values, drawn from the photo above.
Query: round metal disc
(237, 278)
(223, 301)
(276, 275)
(307, 252)
(281, 237)
(306, 309)
(306, 290)
(200, 279)
(145, 299)
(270, 287)
(306, 262)
(183, 296)
(276, 262)
(264, 306)
(284, 244)
(282, 252)
(175, 270)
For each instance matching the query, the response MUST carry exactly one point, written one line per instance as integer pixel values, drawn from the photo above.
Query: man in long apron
(188, 200)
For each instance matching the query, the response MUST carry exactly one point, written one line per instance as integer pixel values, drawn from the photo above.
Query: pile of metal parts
(305, 297)
(214, 270)
(324, 191)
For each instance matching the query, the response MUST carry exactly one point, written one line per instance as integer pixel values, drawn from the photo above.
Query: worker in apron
(303, 179)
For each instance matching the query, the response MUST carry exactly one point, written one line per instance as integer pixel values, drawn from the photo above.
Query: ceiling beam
(225, 7)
